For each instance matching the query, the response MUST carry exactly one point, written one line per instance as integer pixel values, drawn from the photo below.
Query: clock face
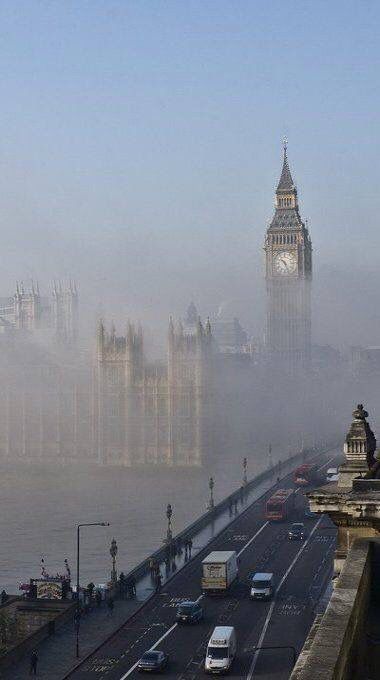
(285, 263)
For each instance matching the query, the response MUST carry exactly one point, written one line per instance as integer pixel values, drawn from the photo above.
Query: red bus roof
(280, 496)
(305, 467)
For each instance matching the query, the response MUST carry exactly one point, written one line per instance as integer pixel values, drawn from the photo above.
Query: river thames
(42, 506)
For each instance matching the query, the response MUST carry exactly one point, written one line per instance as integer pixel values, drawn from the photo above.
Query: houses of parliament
(61, 403)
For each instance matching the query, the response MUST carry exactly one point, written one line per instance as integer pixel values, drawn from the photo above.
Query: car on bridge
(153, 660)
(189, 612)
(297, 532)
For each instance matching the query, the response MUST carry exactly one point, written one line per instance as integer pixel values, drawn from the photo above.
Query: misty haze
(188, 314)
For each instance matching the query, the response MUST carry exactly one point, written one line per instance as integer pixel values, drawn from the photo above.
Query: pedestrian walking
(236, 505)
(132, 585)
(98, 598)
(190, 547)
(174, 566)
(152, 568)
(122, 585)
(33, 662)
(110, 605)
(158, 582)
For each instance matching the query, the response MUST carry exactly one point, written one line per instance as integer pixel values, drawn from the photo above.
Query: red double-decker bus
(280, 506)
(306, 474)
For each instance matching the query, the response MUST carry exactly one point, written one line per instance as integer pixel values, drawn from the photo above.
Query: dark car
(153, 661)
(189, 612)
(297, 532)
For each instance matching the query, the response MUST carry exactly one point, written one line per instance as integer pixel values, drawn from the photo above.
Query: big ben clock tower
(288, 278)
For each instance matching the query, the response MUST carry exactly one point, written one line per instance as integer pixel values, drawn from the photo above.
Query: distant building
(28, 311)
(153, 414)
(288, 278)
(365, 362)
(227, 332)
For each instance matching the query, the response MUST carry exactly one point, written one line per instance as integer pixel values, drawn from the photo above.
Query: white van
(261, 586)
(221, 650)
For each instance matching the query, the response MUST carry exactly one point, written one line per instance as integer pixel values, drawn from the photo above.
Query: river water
(42, 506)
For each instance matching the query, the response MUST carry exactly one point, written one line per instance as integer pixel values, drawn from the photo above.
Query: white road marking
(252, 539)
(132, 668)
(273, 603)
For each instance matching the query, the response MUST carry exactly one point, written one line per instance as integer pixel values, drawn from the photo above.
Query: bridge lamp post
(245, 478)
(113, 553)
(77, 615)
(211, 485)
(169, 532)
(270, 461)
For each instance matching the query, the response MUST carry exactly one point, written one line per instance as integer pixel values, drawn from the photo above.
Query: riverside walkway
(57, 654)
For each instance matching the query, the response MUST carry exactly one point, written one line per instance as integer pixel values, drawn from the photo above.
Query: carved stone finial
(360, 413)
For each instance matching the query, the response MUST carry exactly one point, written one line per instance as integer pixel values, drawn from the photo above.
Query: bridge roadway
(301, 570)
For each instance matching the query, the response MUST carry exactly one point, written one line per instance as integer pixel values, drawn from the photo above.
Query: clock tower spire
(288, 277)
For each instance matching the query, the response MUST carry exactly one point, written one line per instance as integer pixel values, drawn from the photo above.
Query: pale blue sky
(140, 145)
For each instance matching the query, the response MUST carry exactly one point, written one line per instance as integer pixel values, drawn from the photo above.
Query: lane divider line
(273, 603)
(252, 539)
(132, 668)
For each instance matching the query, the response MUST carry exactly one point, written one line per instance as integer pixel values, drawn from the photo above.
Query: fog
(140, 153)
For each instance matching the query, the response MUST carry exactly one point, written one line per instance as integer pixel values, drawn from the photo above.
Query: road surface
(301, 570)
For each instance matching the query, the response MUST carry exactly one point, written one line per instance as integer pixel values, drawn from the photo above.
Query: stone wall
(336, 648)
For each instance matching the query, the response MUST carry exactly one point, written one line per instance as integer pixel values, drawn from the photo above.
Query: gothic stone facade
(153, 414)
(288, 277)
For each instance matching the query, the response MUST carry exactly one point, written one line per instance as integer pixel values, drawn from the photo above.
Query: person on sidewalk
(110, 605)
(132, 583)
(33, 662)
(98, 598)
(190, 544)
(152, 568)
(158, 583)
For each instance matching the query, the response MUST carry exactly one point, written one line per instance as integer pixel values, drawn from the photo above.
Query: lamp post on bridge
(77, 613)
(169, 533)
(211, 485)
(245, 478)
(113, 553)
(270, 461)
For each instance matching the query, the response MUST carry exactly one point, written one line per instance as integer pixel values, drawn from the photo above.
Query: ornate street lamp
(169, 533)
(113, 553)
(211, 487)
(270, 461)
(77, 613)
(245, 478)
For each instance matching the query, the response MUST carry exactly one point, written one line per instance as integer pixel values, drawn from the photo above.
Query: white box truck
(219, 570)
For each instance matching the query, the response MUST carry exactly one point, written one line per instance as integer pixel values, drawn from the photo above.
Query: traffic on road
(243, 605)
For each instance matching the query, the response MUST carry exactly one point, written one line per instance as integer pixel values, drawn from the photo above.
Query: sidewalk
(57, 653)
